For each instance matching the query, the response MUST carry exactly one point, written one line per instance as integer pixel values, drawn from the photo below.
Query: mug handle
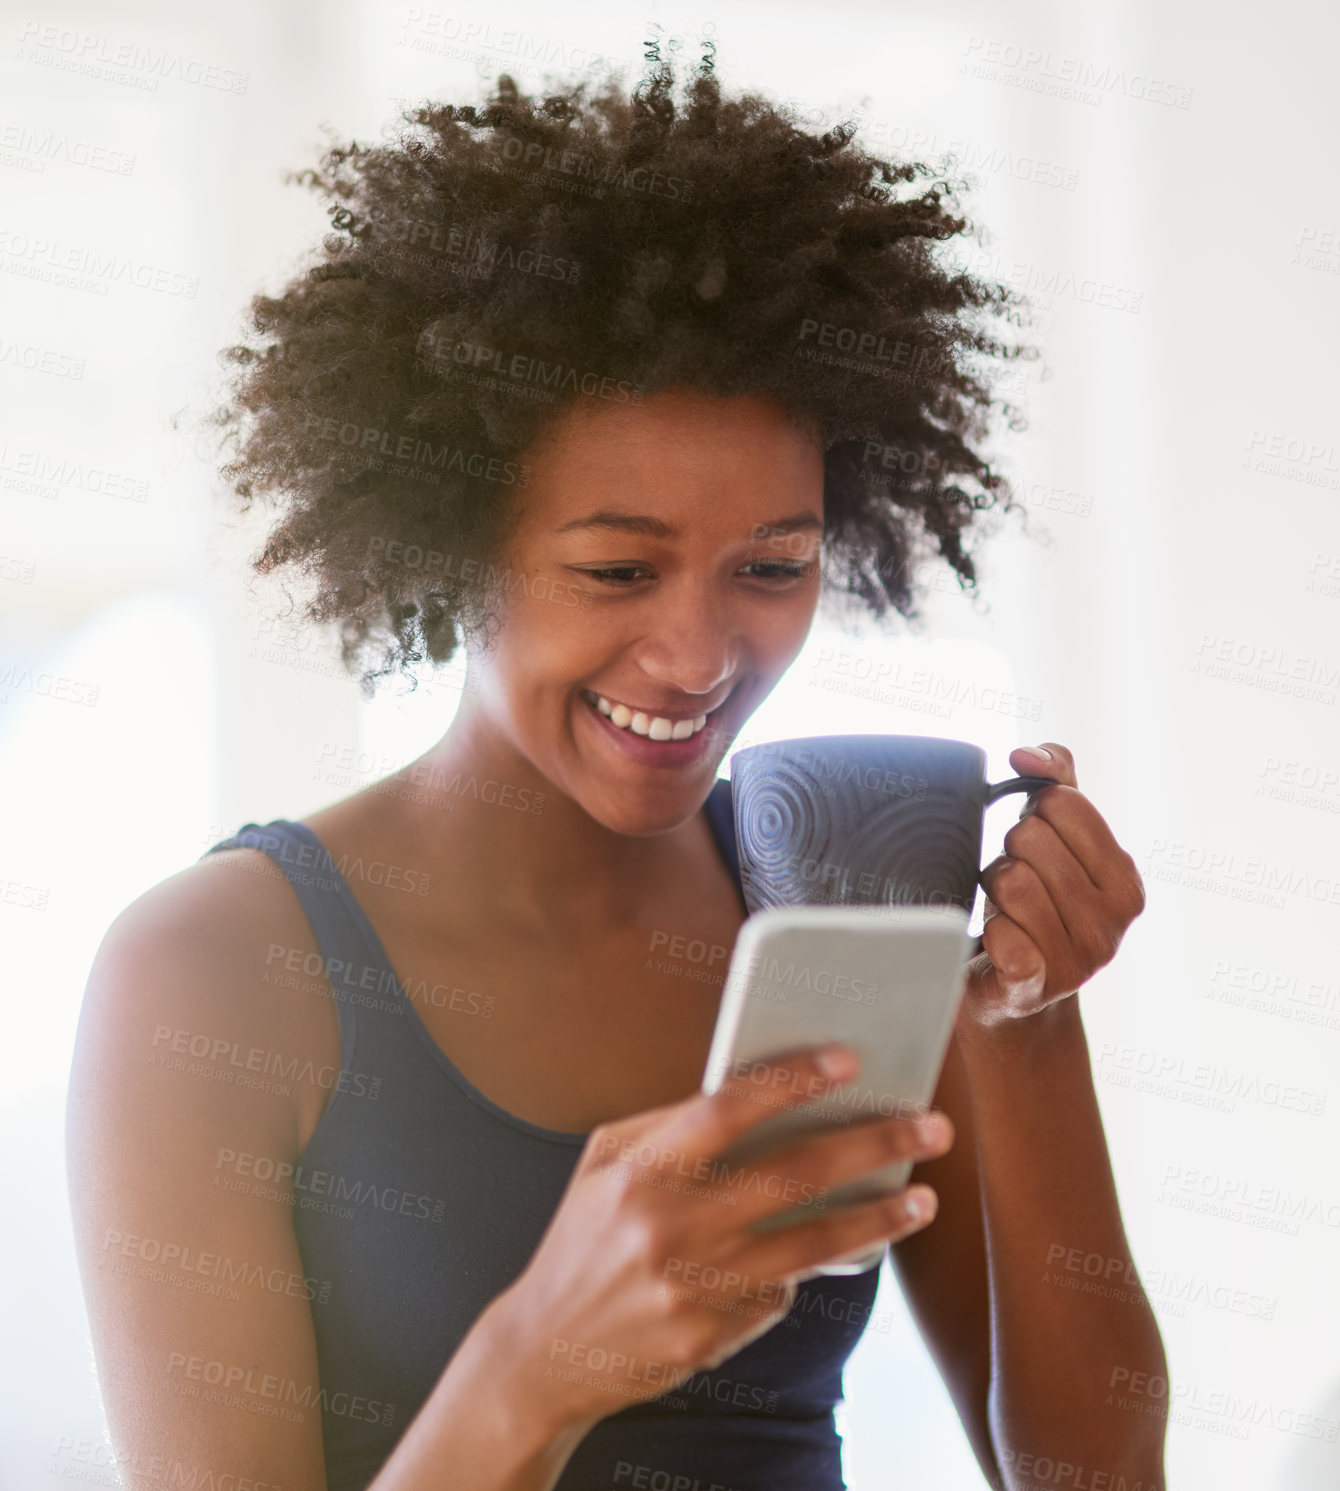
(993, 794)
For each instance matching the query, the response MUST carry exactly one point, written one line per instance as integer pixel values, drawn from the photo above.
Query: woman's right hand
(613, 1308)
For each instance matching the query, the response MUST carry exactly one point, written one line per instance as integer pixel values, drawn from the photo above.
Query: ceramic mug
(863, 820)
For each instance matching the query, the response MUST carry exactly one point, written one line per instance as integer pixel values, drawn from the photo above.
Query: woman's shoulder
(216, 911)
(178, 1092)
(193, 961)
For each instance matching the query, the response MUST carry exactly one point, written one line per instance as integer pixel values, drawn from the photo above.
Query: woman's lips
(659, 752)
(650, 723)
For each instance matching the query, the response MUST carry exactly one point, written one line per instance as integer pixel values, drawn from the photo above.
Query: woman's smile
(653, 725)
(673, 738)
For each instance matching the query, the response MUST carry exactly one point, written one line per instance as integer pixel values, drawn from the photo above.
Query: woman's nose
(692, 646)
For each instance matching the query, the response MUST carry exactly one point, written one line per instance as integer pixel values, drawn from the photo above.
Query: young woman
(387, 1155)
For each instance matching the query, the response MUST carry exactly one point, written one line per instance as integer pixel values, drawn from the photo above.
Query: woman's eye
(620, 574)
(777, 569)
(763, 569)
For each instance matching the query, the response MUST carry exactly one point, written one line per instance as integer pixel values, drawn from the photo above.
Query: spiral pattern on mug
(791, 825)
(916, 853)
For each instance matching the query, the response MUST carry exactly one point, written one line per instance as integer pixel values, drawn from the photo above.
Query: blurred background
(1160, 177)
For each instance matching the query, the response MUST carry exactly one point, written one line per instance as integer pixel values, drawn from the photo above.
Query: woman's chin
(644, 814)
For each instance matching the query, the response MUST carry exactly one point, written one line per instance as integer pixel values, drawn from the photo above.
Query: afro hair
(496, 265)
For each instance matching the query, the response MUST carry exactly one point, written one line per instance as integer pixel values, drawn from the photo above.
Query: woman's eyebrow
(788, 525)
(648, 526)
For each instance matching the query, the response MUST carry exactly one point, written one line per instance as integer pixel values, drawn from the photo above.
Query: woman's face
(664, 568)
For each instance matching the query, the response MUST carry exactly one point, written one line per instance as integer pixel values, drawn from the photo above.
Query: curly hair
(497, 265)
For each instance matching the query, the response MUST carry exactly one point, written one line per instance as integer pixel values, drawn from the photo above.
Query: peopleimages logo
(450, 355)
(319, 1184)
(47, 685)
(1067, 77)
(320, 860)
(266, 1385)
(532, 155)
(768, 978)
(414, 450)
(842, 769)
(44, 473)
(221, 1053)
(41, 145)
(40, 258)
(41, 360)
(88, 52)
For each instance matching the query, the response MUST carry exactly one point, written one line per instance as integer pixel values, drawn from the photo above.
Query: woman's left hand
(1059, 899)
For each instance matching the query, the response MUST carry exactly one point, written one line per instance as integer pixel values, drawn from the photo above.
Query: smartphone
(885, 980)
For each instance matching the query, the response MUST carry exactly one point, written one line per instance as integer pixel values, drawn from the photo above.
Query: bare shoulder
(196, 975)
(222, 896)
(184, 1045)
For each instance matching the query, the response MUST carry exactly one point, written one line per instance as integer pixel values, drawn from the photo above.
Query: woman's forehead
(675, 445)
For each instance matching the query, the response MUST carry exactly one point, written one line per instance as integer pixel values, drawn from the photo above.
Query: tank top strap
(722, 815)
(353, 960)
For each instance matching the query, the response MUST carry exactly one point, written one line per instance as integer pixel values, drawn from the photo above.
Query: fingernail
(1039, 751)
(836, 1061)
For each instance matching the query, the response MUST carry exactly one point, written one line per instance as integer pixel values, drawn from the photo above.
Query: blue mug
(864, 820)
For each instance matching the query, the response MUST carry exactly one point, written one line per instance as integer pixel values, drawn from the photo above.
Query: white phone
(885, 980)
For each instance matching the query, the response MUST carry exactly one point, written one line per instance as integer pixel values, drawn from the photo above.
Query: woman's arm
(1034, 1364)
(1060, 1346)
(1028, 1357)
(197, 1298)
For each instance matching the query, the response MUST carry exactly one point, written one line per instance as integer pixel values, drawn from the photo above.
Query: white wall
(1182, 455)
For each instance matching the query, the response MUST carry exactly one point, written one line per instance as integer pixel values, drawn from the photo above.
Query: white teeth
(653, 727)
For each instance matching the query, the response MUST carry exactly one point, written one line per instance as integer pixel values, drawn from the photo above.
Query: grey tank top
(418, 1200)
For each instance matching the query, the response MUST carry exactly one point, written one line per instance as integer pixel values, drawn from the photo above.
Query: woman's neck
(478, 815)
